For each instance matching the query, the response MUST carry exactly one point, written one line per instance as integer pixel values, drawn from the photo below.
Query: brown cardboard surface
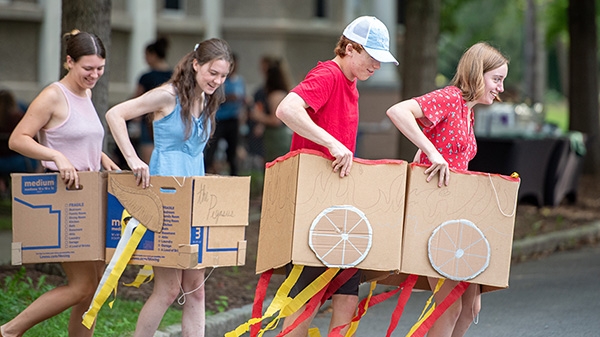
(203, 225)
(53, 224)
(301, 186)
(447, 216)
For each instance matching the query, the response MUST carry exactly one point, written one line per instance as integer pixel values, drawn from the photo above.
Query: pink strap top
(79, 137)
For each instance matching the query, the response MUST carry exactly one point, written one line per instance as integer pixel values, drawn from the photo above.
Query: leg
(343, 310)
(445, 324)
(193, 320)
(91, 276)
(166, 288)
(471, 305)
(301, 329)
(83, 278)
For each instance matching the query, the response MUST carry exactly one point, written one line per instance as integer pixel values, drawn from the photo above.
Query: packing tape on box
(131, 237)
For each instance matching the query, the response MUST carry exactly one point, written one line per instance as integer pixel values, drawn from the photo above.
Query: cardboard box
(310, 216)
(53, 224)
(463, 231)
(204, 225)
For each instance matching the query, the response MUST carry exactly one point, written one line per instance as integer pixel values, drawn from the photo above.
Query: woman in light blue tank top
(184, 116)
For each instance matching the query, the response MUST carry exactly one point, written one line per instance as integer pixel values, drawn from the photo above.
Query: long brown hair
(184, 80)
(476, 61)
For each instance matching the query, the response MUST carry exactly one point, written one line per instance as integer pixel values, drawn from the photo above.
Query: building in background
(301, 32)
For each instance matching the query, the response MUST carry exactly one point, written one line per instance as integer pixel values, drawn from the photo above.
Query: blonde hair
(476, 61)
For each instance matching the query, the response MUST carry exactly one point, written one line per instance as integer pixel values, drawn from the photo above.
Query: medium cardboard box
(204, 225)
(463, 231)
(53, 224)
(310, 216)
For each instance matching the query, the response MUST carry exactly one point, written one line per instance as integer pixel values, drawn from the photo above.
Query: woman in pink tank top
(70, 140)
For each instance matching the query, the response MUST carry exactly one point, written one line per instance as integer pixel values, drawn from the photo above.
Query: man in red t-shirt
(323, 113)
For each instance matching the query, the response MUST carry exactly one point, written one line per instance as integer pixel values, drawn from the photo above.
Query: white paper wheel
(341, 236)
(458, 250)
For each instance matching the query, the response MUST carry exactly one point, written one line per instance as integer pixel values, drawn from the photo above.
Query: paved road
(555, 296)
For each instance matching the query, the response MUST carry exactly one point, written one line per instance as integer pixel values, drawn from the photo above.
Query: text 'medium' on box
(463, 231)
(203, 225)
(54, 224)
(310, 216)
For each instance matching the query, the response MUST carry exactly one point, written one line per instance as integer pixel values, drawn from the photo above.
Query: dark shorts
(309, 274)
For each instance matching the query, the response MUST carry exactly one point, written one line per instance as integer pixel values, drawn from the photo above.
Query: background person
(183, 113)
(277, 136)
(446, 142)
(11, 161)
(323, 113)
(228, 122)
(70, 140)
(160, 72)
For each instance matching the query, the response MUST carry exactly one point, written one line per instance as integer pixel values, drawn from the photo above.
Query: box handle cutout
(73, 188)
(168, 190)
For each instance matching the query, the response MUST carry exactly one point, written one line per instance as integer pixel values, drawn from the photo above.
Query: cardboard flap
(142, 204)
(221, 201)
(277, 216)
(16, 254)
(241, 257)
(188, 256)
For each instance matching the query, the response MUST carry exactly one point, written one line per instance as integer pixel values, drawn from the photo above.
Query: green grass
(18, 291)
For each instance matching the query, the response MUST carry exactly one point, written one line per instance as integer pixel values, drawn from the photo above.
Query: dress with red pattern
(446, 124)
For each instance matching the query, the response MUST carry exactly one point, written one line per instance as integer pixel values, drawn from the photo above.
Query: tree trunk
(584, 114)
(535, 54)
(419, 57)
(92, 16)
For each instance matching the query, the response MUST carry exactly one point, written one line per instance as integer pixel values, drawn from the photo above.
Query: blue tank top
(173, 155)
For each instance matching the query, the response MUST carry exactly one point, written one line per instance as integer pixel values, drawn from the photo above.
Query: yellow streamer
(354, 324)
(304, 296)
(285, 305)
(278, 301)
(127, 245)
(426, 312)
(145, 275)
(314, 332)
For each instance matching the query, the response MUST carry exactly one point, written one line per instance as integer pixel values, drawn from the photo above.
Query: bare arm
(47, 110)
(269, 118)
(292, 111)
(161, 101)
(404, 115)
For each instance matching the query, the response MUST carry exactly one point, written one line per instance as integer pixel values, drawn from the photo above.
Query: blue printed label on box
(39, 184)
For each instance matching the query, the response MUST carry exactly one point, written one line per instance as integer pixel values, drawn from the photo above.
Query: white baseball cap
(373, 35)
